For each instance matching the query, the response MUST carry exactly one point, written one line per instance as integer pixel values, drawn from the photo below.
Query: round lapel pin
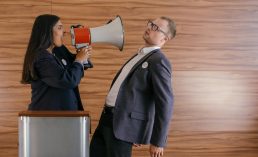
(144, 65)
(64, 62)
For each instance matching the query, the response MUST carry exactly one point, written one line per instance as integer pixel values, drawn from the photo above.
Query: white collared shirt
(113, 92)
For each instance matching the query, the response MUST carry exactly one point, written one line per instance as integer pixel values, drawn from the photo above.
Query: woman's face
(58, 32)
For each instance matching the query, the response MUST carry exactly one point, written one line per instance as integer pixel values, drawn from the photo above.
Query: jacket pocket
(139, 116)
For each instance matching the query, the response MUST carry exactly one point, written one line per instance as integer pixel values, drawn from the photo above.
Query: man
(139, 104)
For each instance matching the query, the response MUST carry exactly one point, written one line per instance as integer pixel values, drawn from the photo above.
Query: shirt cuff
(85, 62)
(79, 63)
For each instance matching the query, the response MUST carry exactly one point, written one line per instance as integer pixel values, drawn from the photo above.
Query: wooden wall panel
(214, 57)
(208, 144)
(26, 2)
(219, 37)
(22, 13)
(16, 19)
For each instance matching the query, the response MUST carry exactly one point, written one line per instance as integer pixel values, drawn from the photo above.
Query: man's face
(156, 33)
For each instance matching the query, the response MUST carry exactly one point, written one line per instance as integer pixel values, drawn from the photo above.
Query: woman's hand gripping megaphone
(82, 44)
(83, 56)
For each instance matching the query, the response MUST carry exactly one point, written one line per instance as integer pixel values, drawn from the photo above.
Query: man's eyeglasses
(155, 27)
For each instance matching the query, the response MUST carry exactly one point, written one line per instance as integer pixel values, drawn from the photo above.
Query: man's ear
(166, 38)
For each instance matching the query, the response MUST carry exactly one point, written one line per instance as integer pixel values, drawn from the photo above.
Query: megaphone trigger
(79, 46)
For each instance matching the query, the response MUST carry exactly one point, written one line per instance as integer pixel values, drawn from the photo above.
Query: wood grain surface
(214, 58)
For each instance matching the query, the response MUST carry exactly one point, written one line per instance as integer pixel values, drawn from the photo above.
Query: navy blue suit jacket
(57, 86)
(143, 107)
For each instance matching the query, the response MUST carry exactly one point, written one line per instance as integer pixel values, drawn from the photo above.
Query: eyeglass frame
(155, 28)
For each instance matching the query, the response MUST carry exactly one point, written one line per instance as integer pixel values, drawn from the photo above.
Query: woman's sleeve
(53, 74)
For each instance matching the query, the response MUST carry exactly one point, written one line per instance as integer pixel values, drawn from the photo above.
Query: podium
(54, 134)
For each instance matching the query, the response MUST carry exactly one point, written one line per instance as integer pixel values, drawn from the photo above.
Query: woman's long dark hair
(41, 39)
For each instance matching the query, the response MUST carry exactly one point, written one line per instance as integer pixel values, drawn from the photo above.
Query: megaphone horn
(111, 33)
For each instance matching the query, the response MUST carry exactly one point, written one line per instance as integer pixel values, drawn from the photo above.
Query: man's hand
(156, 151)
(136, 145)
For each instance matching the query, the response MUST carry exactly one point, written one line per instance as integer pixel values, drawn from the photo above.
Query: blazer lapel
(118, 73)
(58, 61)
(140, 62)
(134, 67)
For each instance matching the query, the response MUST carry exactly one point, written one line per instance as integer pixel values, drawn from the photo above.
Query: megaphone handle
(87, 64)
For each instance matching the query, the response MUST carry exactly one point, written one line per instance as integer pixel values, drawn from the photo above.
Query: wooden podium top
(54, 113)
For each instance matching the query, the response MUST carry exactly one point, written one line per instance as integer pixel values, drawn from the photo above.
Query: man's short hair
(171, 26)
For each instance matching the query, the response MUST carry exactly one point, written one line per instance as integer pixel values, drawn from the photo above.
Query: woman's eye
(60, 27)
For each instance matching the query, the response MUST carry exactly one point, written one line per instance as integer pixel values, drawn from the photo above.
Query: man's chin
(145, 37)
(145, 40)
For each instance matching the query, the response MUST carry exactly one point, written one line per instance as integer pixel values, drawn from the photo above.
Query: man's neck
(149, 45)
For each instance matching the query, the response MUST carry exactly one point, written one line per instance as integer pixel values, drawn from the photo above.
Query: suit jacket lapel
(140, 62)
(58, 61)
(118, 73)
(134, 67)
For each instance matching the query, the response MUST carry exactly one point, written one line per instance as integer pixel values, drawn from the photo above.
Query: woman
(53, 72)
